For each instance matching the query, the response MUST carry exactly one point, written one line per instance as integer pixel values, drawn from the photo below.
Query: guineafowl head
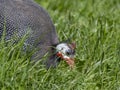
(62, 52)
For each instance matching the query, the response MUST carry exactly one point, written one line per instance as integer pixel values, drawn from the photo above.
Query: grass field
(95, 27)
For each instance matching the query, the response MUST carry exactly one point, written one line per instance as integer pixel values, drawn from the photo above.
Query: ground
(94, 26)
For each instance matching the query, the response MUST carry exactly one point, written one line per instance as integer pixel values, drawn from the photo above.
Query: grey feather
(19, 15)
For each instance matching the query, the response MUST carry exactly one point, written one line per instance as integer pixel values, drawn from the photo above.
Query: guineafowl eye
(68, 52)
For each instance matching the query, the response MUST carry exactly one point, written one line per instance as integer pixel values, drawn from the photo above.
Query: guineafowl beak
(70, 62)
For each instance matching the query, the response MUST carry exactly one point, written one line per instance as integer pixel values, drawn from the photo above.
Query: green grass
(94, 26)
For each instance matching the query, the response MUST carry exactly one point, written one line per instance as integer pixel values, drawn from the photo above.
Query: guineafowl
(21, 16)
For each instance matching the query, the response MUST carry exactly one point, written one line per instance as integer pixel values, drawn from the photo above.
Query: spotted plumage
(22, 16)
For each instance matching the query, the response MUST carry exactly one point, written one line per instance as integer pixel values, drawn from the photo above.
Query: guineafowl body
(21, 16)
